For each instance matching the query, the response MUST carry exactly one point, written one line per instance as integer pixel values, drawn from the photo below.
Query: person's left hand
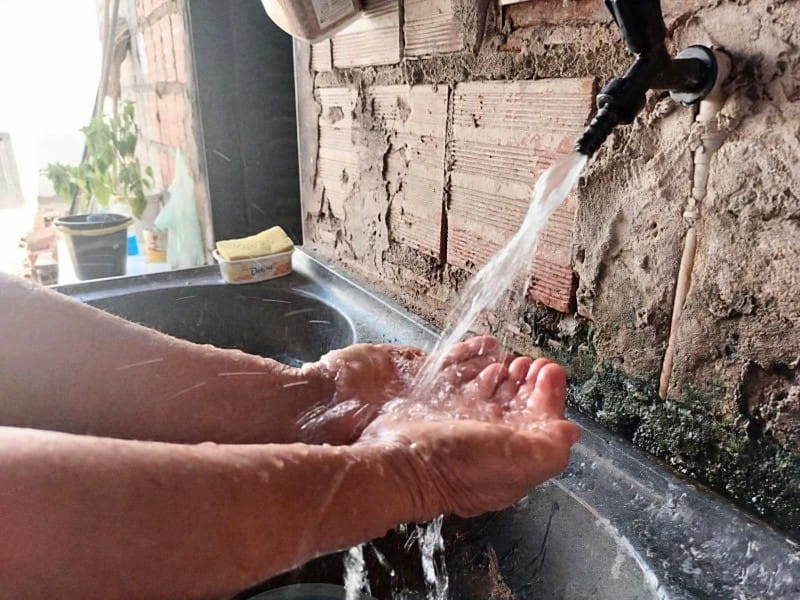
(483, 449)
(367, 376)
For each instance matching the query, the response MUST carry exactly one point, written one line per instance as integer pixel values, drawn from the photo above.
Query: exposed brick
(541, 12)
(157, 54)
(152, 113)
(415, 119)
(171, 121)
(374, 39)
(164, 56)
(432, 28)
(337, 162)
(156, 11)
(151, 46)
(321, 56)
(553, 280)
(166, 119)
(181, 110)
(165, 26)
(418, 118)
(169, 132)
(158, 134)
(504, 135)
(179, 48)
(147, 54)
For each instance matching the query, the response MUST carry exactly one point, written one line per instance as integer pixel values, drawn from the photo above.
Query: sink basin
(290, 326)
(550, 545)
(616, 525)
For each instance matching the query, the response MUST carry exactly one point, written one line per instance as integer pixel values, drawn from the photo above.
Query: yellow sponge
(271, 241)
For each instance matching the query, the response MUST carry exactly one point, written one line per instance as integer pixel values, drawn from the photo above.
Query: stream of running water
(483, 292)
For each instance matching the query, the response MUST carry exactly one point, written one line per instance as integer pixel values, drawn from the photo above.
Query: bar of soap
(272, 241)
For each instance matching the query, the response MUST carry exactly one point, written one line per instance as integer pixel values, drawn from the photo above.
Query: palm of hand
(487, 442)
(489, 430)
(367, 376)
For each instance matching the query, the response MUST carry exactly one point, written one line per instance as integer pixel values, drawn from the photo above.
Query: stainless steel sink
(290, 326)
(616, 525)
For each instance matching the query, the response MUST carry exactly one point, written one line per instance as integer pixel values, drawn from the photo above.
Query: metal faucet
(689, 77)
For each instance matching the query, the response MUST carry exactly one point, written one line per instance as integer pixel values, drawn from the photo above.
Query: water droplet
(295, 384)
(301, 311)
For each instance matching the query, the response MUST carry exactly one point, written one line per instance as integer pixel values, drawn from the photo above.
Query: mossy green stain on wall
(755, 472)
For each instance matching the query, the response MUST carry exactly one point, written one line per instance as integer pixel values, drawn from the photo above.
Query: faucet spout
(689, 77)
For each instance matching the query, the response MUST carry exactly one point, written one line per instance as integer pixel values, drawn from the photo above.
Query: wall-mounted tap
(689, 77)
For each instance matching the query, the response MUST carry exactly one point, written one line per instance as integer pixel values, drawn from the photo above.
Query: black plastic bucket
(98, 244)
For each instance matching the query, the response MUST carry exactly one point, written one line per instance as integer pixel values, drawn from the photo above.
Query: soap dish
(251, 270)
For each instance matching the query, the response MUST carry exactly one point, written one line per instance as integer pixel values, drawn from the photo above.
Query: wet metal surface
(290, 326)
(296, 318)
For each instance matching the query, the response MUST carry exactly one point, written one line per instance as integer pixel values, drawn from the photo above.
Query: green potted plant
(110, 173)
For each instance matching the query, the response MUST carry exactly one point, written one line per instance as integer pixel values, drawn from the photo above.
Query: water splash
(484, 291)
(188, 389)
(514, 260)
(140, 364)
(243, 374)
(294, 384)
(300, 311)
(431, 547)
(512, 264)
(384, 562)
(355, 574)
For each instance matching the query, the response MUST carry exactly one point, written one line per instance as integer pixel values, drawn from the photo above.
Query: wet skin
(140, 465)
(492, 427)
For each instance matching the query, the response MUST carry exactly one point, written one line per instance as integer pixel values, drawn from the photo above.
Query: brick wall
(156, 75)
(424, 127)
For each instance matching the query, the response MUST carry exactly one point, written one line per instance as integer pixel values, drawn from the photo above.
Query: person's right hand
(365, 377)
(509, 435)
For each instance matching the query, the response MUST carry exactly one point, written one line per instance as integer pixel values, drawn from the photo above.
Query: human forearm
(150, 520)
(66, 366)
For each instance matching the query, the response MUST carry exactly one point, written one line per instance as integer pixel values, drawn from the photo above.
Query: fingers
(486, 383)
(564, 432)
(505, 394)
(462, 373)
(550, 392)
(535, 368)
(518, 369)
(466, 360)
(508, 389)
(480, 346)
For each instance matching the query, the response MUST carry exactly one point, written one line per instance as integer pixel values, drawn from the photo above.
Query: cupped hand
(503, 434)
(365, 377)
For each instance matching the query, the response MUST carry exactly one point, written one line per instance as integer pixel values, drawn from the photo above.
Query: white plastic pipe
(711, 140)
